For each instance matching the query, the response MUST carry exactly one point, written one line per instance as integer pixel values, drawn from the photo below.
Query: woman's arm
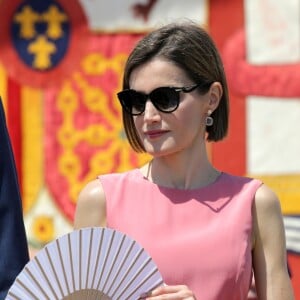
(91, 206)
(269, 251)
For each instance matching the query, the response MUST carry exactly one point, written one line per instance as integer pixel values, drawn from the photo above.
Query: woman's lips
(151, 134)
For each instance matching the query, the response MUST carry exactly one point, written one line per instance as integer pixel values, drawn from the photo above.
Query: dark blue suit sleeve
(13, 242)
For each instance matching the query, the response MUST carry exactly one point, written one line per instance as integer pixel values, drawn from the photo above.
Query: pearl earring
(209, 121)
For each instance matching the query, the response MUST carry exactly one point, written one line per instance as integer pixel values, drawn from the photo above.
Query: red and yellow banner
(83, 124)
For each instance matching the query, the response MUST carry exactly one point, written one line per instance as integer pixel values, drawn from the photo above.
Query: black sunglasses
(165, 99)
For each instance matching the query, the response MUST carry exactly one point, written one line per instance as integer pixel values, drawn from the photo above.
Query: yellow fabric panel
(3, 87)
(287, 188)
(32, 138)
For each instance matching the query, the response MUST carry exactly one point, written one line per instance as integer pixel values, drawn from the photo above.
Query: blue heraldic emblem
(42, 41)
(40, 33)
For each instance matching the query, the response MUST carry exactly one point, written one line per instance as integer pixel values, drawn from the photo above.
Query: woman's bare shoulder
(268, 220)
(91, 206)
(269, 252)
(266, 201)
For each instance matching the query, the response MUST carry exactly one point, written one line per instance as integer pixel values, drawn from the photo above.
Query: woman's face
(168, 133)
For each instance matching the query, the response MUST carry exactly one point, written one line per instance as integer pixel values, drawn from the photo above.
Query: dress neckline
(178, 190)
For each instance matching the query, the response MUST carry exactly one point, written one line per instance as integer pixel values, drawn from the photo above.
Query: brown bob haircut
(191, 48)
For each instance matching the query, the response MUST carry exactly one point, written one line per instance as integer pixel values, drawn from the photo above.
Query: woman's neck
(182, 172)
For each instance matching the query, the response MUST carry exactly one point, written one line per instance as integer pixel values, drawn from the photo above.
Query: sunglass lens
(138, 101)
(133, 102)
(165, 99)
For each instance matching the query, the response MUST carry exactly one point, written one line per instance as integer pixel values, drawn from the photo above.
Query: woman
(205, 229)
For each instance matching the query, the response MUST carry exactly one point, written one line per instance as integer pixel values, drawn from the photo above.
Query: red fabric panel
(294, 263)
(230, 154)
(14, 122)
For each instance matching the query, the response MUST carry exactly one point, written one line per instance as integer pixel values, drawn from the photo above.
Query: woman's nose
(151, 112)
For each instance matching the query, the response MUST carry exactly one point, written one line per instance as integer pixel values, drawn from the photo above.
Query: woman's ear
(215, 94)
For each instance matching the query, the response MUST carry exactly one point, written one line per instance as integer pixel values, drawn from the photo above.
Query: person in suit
(13, 243)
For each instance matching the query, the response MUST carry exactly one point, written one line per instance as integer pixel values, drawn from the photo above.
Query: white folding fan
(89, 263)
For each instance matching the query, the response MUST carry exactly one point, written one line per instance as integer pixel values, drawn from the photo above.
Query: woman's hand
(177, 292)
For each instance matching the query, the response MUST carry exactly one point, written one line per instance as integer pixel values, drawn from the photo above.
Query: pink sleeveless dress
(200, 237)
